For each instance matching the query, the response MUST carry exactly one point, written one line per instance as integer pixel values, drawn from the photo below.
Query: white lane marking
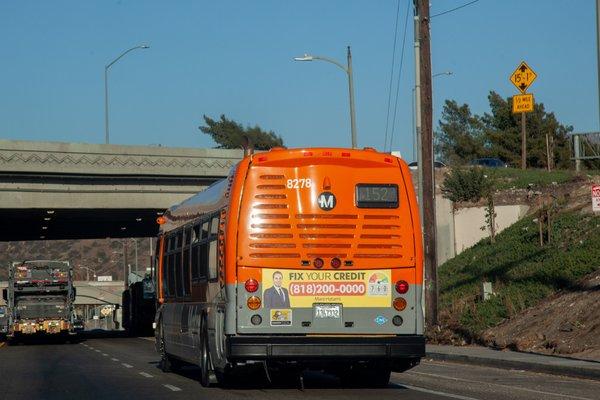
(105, 355)
(145, 374)
(114, 359)
(173, 388)
(423, 390)
(127, 365)
(150, 339)
(90, 347)
(97, 351)
(499, 384)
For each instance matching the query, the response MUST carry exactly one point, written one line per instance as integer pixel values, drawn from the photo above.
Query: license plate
(328, 311)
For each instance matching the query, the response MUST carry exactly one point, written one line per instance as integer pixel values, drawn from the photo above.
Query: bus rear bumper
(325, 347)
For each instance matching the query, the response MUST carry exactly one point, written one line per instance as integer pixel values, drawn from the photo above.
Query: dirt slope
(566, 323)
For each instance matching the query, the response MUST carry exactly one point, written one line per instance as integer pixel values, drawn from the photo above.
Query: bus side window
(179, 243)
(204, 260)
(165, 267)
(196, 233)
(212, 260)
(195, 250)
(179, 265)
(186, 262)
(205, 230)
(172, 268)
(214, 227)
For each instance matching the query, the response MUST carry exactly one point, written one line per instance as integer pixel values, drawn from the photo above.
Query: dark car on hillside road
(489, 163)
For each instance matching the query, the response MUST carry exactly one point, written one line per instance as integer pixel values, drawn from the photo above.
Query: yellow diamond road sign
(522, 103)
(523, 77)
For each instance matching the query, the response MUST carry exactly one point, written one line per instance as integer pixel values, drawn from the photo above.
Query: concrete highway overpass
(52, 190)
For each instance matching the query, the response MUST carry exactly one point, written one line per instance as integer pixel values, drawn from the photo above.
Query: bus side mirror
(5, 294)
(73, 294)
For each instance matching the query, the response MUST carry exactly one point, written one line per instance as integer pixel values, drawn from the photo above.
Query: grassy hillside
(516, 178)
(105, 256)
(522, 271)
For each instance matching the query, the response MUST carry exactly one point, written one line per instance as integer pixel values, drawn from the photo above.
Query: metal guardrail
(586, 146)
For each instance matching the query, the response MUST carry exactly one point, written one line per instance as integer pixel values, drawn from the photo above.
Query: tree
(463, 136)
(229, 134)
(503, 134)
(460, 137)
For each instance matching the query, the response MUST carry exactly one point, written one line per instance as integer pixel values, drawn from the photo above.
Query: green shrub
(465, 185)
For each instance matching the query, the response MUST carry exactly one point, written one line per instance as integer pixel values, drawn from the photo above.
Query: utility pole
(428, 200)
(598, 49)
(417, 102)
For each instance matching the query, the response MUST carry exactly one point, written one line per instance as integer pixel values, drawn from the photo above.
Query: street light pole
(351, 95)
(106, 130)
(348, 70)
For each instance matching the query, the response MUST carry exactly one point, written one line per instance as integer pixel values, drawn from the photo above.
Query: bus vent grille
(369, 234)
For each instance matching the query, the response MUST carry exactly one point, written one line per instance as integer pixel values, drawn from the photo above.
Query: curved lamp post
(348, 71)
(143, 46)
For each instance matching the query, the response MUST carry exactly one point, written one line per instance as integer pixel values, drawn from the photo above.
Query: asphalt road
(126, 368)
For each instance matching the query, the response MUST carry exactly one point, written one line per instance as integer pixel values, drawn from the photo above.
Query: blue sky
(235, 58)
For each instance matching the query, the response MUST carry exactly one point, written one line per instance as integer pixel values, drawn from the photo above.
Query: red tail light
(336, 262)
(318, 263)
(251, 285)
(401, 287)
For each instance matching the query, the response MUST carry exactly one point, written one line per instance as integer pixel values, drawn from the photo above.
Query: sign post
(596, 198)
(522, 78)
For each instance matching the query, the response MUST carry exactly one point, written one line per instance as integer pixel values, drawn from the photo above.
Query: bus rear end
(329, 261)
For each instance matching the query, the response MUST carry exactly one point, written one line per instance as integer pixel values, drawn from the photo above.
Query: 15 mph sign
(596, 198)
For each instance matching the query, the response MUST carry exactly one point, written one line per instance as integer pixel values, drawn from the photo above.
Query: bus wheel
(207, 377)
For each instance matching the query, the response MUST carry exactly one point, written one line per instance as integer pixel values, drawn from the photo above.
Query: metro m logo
(326, 201)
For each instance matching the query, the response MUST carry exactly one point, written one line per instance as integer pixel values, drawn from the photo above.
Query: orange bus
(300, 258)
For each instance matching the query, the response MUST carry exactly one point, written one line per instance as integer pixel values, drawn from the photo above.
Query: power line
(387, 116)
(454, 9)
(399, 74)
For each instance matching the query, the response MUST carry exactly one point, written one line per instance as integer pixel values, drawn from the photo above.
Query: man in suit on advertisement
(277, 296)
